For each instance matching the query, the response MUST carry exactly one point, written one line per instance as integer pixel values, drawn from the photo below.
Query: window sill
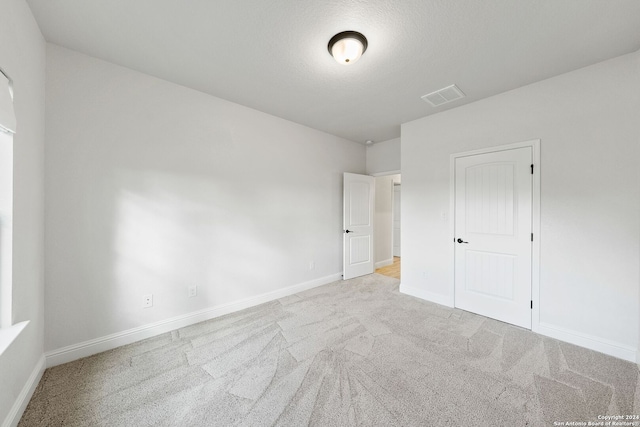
(8, 335)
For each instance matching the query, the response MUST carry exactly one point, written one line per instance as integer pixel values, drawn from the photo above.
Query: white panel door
(359, 193)
(396, 220)
(493, 223)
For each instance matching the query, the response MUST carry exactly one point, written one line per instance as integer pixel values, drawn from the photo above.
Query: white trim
(98, 345)
(452, 227)
(426, 295)
(602, 345)
(506, 147)
(386, 173)
(536, 230)
(393, 218)
(6, 232)
(8, 335)
(14, 415)
(7, 106)
(534, 144)
(384, 263)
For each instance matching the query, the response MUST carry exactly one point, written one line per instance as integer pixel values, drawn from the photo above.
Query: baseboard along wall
(98, 345)
(384, 263)
(426, 295)
(14, 415)
(601, 345)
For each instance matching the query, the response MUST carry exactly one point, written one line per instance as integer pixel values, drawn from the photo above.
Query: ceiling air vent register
(444, 95)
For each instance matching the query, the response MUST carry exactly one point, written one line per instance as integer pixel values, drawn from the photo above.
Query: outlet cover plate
(147, 301)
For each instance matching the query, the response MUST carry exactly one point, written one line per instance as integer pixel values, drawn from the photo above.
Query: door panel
(490, 274)
(493, 223)
(359, 196)
(359, 249)
(490, 199)
(358, 225)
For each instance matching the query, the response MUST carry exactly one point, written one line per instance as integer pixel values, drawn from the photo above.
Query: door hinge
(531, 304)
(531, 169)
(532, 237)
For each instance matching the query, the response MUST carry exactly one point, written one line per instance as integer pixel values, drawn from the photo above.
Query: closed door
(359, 193)
(493, 225)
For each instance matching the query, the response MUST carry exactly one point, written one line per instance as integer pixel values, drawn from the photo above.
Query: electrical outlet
(312, 265)
(193, 291)
(147, 301)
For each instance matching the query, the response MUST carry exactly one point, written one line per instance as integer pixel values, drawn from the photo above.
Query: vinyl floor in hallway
(392, 270)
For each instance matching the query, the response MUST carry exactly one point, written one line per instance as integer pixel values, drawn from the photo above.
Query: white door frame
(535, 249)
(393, 219)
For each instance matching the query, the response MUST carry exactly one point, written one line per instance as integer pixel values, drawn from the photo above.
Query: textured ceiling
(272, 55)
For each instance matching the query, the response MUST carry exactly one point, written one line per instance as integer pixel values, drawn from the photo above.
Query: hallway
(392, 270)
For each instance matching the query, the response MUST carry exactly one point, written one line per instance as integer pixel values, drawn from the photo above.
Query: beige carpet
(346, 354)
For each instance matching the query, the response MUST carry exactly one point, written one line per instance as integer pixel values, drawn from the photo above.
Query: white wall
(383, 217)
(397, 216)
(383, 220)
(152, 187)
(383, 157)
(22, 56)
(588, 124)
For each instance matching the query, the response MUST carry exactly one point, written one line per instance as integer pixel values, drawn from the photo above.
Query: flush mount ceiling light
(347, 47)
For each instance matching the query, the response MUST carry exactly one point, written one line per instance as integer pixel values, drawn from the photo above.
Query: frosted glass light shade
(347, 51)
(347, 47)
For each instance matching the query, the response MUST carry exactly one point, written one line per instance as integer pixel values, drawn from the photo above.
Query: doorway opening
(392, 270)
(388, 225)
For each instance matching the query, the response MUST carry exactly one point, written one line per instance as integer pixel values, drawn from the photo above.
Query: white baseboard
(14, 415)
(384, 263)
(602, 345)
(426, 295)
(98, 345)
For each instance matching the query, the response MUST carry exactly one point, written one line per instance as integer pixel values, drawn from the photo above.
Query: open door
(359, 194)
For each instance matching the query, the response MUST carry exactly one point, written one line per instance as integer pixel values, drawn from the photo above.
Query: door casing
(535, 249)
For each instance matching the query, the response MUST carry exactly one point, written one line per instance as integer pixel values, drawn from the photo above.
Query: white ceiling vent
(444, 95)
